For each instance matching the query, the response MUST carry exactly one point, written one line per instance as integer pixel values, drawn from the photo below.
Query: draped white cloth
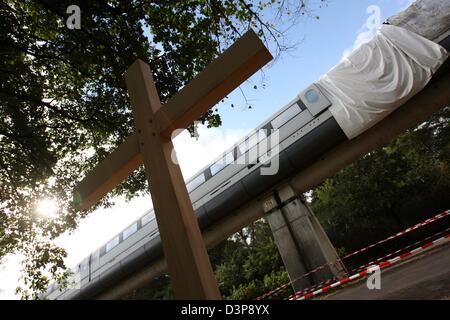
(379, 77)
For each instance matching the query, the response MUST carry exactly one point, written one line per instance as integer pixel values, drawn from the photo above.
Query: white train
(307, 129)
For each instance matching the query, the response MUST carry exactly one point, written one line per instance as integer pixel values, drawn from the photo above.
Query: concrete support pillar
(301, 240)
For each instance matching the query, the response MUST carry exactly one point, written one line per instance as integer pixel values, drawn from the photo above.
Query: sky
(323, 43)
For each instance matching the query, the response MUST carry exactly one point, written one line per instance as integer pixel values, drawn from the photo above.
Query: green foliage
(253, 257)
(246, 291)
(257, 288)
(64, 105)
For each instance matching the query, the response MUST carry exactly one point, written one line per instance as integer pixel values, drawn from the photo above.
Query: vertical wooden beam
(187, 259)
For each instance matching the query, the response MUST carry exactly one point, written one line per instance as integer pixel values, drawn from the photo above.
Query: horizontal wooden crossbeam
(229, 70)
(115, 168)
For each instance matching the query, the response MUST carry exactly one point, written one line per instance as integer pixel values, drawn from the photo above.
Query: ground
(424, 277)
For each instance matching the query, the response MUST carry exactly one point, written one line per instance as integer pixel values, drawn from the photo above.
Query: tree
(254, 268)
(64, 104)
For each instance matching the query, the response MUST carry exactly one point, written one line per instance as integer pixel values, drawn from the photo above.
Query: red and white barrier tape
(372, 268)
(312, 288)
(398, 234)
(402, 249)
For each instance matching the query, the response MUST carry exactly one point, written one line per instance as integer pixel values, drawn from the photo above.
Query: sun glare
(47, 208)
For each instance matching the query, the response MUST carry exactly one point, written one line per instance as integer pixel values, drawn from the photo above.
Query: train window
(130, 230)
(222, 163)
(262, 134)
(146, 219)
(251, 141)
(112, 243)
(198, 180)
(243, 147)
(287, 115)
(301, 105)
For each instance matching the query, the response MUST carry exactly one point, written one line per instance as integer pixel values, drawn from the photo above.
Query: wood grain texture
(109, 173)
(187, 259)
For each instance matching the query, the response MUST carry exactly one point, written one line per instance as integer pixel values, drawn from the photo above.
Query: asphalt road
(426, 277)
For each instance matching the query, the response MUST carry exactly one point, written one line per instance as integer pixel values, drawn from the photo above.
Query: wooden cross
(184, 249)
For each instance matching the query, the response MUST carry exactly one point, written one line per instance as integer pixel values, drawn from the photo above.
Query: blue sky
(340, 28)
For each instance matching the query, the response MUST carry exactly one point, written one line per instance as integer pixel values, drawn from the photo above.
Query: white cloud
(361, 38)
(9, 275)
(370, 27)
(194, 154)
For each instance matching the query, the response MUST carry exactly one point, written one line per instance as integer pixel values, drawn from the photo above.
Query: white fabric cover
(379, 77)
(429, 18)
